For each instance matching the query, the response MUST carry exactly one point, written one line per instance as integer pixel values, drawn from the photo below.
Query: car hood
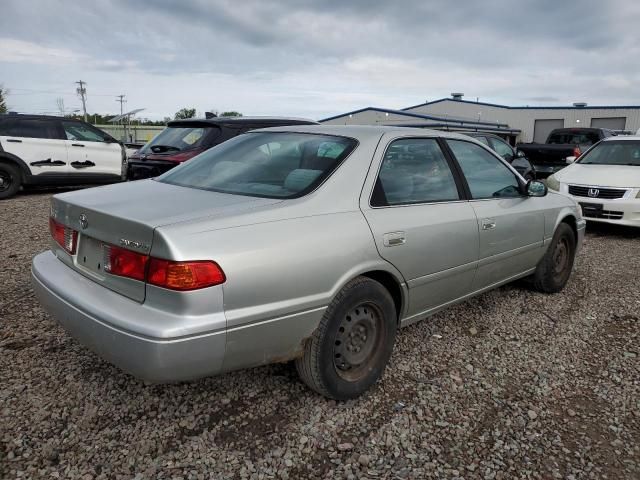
(624, 176)
(155, 204)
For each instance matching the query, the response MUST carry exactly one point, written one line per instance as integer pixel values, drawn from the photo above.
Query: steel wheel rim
(5, 181)
(358, 341)
(561, 256)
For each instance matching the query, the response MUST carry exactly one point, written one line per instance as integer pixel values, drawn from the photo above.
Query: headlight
(553, 183)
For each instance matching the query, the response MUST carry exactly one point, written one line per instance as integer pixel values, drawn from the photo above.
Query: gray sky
(316, 58)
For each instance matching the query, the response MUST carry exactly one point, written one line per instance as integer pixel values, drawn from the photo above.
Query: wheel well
(389, 282)
(571, 221)
(18, 164)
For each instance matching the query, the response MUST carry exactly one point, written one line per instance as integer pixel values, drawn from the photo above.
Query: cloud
(320, 58)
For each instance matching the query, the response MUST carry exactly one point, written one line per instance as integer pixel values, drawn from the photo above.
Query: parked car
(184, 139)
(561, 143)
(516, 158)
(43, 150)
(606, 181)
(306, 243)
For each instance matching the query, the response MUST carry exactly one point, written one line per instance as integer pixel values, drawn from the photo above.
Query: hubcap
(5, 181)
(356, 341)
(561, 256)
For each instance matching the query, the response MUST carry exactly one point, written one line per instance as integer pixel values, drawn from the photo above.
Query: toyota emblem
(84, 223)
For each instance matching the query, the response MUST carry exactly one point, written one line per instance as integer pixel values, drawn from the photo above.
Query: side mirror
(570, 160)
(520, 154)
(536, 189)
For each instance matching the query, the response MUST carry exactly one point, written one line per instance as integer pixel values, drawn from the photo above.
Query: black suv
(184, 139)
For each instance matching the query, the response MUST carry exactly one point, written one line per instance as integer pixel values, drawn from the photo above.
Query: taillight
(125, 263)
(576, 152)
(184, 275)
(66, 237)
(181, 276)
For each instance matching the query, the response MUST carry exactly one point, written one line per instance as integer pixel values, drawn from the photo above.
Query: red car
(184, 139)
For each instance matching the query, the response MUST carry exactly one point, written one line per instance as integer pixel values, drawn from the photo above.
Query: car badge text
(133, 244)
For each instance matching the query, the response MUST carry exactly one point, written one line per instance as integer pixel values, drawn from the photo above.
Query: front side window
(414, 170)
(83, 133)
(486, 175)
(264, 164)
(621, 152)
(502, 149)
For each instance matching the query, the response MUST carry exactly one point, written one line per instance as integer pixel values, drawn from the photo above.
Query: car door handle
(13, 140)
(85, 164)
(393, 239)
(488, 224)
(77, 145)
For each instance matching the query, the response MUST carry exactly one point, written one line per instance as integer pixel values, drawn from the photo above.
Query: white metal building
(521, 124)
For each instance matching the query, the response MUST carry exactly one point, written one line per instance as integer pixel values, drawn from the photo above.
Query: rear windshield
(622, 152)
(176, 139)
(264, 164)
(573, 138)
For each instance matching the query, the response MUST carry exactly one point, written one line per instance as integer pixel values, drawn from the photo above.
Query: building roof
(526, 107)
(452, 121)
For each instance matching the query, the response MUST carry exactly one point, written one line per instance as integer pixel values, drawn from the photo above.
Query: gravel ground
(512, 384)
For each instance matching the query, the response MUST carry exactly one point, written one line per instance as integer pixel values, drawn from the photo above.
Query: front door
(421, 224)
(92, 151)
(510, 223)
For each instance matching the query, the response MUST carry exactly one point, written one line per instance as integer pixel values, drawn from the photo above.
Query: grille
(606, 214)
(608, 193)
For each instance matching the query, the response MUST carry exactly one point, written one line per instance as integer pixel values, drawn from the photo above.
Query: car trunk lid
(126, 215)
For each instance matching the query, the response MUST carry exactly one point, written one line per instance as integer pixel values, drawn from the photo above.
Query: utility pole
(120, 98)
(82, 91)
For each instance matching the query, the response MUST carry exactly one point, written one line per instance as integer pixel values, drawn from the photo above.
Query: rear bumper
(84, 309)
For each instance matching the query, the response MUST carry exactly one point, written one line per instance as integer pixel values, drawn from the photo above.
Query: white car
(605, 181)
(43, 150)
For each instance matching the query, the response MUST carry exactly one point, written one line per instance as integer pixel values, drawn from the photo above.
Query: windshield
(264, 164)
(175, 139)
(573, 138)
(621, 152)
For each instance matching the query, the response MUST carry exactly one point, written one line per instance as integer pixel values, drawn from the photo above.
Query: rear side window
(83, 133)
(414, 170)
(486, 176)
(29, 128)
(264, 164)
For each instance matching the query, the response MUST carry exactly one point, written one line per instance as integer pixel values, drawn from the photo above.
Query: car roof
(28, 116)
(235, 121)
(365, 131)
(622, 137)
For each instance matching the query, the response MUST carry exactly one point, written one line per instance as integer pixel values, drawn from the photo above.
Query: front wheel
(9, 180)
(353, 343)
(554, 270)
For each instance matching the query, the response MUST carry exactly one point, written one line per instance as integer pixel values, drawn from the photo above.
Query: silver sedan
(306, 243)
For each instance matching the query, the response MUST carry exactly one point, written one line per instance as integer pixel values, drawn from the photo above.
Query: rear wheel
(9, 180)
(352, 345)
(555, 268)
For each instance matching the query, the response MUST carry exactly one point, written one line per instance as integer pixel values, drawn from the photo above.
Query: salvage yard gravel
(512, 384)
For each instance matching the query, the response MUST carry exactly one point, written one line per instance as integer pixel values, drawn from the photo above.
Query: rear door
(36, 141)
(91, 150)
(420, 222)
(510, 223)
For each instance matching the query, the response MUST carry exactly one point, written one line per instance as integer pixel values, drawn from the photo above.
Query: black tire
(353, 343)
(554, 270)
(10, 180)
